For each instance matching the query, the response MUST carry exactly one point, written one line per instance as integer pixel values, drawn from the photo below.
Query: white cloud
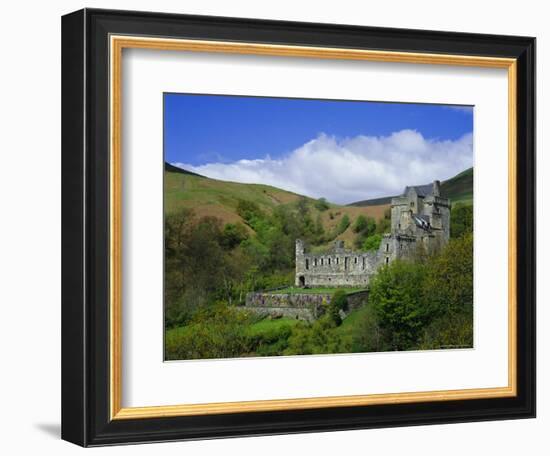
(351, 169)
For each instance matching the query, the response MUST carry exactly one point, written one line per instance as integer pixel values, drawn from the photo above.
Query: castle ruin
(420, 219)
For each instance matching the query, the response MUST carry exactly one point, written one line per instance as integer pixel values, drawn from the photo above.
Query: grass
(268, 325)
(317, 290)
(216, 198)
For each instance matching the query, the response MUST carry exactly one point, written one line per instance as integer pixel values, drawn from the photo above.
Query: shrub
(218, 332)
(316, 338)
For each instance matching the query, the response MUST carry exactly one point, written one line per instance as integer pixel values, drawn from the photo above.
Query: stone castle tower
(420, 218)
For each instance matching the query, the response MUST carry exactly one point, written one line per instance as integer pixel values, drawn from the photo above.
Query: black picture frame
(85, 225)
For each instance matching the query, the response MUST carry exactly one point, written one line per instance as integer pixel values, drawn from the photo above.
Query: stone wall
(301, 306)
(337, 268)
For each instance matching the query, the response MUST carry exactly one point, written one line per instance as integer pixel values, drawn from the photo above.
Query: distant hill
(211, 197)
(459, 188)
(175, 169)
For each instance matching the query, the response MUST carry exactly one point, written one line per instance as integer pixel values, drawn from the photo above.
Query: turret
(436, 188)
(300, 263)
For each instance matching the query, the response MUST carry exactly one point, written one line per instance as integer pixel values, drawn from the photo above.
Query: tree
(338, 302)
(233, 234)
(449, 279)
(364, 225)
(344, 224)
(372, 242)
(462, 219)
(397, 298)
(384, 224)
(321, 204)
(366, 334)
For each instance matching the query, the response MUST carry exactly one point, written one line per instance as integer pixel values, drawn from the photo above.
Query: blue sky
(264, 140)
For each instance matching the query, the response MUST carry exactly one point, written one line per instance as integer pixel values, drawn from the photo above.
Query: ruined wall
(307, 307)
(301, 306)
(334, 269)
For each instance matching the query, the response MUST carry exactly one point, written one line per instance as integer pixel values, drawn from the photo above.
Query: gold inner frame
(117, 44)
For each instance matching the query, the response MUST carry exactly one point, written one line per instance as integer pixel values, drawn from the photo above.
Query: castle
(420, 218)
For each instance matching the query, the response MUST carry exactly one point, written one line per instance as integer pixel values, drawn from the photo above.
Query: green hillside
(459, 188)
(217, 198)
(211, 197)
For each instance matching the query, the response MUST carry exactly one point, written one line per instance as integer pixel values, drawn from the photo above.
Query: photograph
(316, 226)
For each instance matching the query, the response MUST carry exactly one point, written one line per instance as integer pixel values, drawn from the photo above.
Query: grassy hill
(211, 197)
(459, 188)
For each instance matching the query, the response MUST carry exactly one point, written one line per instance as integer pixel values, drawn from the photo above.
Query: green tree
(367, 335)
(449, 278)
(344, 224)
(462, 219)
(338, 302)
(384, 225)
(321, 204)
(372, 242)
(364, 225)
(233, 234)
(396, 295)
(249, 211)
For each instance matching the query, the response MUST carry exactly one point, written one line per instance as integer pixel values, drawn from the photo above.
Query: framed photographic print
(278, 227)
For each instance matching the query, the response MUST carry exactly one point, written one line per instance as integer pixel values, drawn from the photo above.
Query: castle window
(322, 261)
(387, 260)
(307, 263)
(337, 260)
(387, 247)
(329, 261)
(355, 260)
(315, 262)
(363, 262)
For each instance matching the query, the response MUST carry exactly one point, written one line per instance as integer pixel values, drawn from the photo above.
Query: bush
(218, 332)
(316, 338)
